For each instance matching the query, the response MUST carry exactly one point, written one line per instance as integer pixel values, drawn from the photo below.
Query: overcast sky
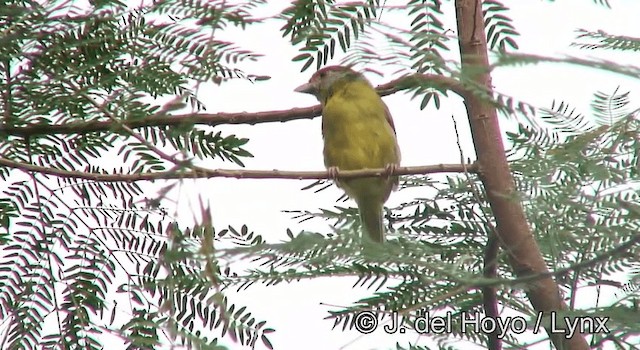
(426, 137)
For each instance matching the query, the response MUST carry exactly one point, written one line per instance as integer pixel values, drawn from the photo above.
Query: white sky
(425, 137)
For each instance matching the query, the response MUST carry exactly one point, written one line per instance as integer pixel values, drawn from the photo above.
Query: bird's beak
(307, 88)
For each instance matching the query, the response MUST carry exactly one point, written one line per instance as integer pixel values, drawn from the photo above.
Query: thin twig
(124, 127)
(238, 174)
(489, 297)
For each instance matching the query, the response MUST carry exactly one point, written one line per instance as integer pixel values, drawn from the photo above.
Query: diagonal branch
(121, 125)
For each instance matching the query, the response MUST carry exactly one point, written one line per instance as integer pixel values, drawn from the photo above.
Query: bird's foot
(333, 173)
(389, 170)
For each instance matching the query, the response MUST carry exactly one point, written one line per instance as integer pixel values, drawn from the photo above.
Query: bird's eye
(323, 74)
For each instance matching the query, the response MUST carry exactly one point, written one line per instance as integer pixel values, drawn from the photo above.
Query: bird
(358, 133)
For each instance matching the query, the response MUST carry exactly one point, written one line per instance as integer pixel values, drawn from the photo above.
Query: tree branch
(203, 173)
(496, 282)
(213, 119)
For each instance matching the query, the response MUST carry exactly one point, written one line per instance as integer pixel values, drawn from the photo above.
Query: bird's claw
(389, 169)
(333, 173)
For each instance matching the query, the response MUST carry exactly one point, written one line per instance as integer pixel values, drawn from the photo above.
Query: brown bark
(513, 230)
(212, 119)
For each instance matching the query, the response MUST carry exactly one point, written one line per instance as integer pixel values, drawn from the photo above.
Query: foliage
(500, 30)
(83, 259)
(604, 40)
(76, 252)
(318, 25)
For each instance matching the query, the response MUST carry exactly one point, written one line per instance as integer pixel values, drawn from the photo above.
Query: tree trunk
(512, 228)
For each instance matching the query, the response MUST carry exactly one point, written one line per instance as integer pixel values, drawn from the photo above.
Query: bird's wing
(387, 115)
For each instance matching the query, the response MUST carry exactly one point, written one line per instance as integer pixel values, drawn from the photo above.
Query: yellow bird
(358, 133)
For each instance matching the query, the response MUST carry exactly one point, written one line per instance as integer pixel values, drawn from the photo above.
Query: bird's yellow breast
(355, 130)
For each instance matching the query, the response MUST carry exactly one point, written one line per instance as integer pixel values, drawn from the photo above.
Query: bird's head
(323, 82)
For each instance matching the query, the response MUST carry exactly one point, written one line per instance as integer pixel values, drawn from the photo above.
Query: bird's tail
(371, 218)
